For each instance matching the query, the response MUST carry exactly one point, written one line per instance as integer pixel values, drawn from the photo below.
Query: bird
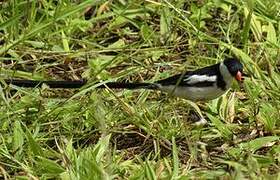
(202, 84)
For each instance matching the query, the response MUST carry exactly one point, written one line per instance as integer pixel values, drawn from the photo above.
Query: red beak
(238, 76)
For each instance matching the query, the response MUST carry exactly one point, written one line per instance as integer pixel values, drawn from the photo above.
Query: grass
(112, 134)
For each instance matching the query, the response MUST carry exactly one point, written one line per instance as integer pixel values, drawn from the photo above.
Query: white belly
(194, 93)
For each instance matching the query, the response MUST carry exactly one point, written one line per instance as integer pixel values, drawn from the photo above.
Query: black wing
(212, 70)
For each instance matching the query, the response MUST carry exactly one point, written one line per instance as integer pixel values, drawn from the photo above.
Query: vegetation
(120, 134)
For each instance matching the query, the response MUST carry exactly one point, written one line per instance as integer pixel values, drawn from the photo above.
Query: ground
(91, 133)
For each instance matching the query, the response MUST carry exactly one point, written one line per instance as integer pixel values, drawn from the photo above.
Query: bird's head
(235, 68)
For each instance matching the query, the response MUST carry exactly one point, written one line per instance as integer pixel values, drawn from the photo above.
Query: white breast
(194, 93)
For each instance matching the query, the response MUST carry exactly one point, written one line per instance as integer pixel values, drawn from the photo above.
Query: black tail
(51, 84)
(122, 85)
(78, 84)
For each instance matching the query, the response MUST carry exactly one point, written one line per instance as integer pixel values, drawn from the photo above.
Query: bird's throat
(227, 77)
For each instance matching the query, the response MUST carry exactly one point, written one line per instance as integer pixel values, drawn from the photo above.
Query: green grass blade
(223, 129)
(176, 164)
(34, 146)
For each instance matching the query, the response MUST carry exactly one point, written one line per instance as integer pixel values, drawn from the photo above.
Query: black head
(234, 67)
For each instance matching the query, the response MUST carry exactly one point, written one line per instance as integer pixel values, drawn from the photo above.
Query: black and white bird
(199, 85)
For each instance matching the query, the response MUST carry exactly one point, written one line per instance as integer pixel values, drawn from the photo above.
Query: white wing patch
(193, 79)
